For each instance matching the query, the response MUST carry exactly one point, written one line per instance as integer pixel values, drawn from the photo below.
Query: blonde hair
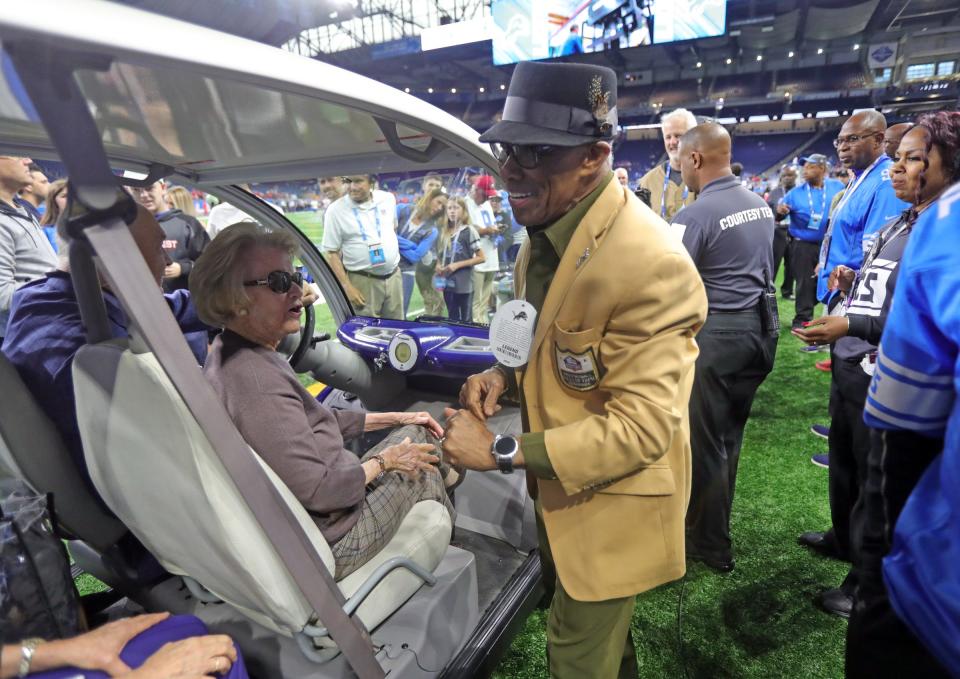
(422, 210)
(446, 234)
(181, 199)
(216, 280)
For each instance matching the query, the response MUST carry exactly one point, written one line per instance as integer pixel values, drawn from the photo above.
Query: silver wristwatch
(504, 449)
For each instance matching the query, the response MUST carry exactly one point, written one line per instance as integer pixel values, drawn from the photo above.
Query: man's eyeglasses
(528, 157)
(852, 139)
(278, 281)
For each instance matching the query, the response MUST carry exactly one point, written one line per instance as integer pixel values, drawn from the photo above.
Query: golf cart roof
(217, 109)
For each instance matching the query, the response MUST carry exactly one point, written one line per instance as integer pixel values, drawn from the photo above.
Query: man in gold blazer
(604, 392)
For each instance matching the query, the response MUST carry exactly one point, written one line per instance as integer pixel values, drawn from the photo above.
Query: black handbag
(38, 597)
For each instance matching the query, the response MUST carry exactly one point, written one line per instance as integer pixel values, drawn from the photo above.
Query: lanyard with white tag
(844, 199)
(816, 217)
(848, 194)
(377, 255)
(663, 195)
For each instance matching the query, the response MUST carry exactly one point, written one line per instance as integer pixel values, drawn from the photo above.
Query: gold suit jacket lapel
(584, 243)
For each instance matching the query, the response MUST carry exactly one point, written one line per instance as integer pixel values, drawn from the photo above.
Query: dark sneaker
(821, 430)
(821, 460)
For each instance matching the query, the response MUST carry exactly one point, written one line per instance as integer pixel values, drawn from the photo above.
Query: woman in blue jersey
(417, 254)
(458, 252)
(878, 643)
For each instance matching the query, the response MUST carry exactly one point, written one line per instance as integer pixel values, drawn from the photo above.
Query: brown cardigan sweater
(300, 439)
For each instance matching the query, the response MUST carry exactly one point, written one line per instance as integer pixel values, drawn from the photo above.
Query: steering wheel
(306, 337)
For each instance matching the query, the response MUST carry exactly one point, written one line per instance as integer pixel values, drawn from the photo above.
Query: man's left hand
(172, 270)
(468, 441)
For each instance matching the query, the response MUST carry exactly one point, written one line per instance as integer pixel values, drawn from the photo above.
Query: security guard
(729, 234)
(605, 374)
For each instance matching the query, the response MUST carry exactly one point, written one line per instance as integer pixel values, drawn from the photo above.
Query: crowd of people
(622, 362)
(848, 238)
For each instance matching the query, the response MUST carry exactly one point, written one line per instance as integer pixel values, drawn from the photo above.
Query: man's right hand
(355, 296)
(783, 209)
(480, 393)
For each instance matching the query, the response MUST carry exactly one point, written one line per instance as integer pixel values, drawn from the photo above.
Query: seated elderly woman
(245, 283)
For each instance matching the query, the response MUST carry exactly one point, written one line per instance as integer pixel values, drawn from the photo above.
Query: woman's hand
(423, 418)
(824, 330)
(449, 269)
(96, 650)
(204, 656)
(841, 278)
(410, 458)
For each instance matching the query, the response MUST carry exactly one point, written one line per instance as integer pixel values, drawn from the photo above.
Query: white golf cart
(102, 88)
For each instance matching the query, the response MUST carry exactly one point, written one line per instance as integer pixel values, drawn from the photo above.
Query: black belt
(367, 274)
(740, 312)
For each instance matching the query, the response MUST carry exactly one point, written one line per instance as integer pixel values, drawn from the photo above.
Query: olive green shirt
(547, 246)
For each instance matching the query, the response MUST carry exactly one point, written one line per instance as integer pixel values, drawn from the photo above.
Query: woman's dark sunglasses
(278, 281)
(528, 157)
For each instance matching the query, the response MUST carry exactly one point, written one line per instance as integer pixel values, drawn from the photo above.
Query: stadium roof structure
(272, 115)
(772, 28)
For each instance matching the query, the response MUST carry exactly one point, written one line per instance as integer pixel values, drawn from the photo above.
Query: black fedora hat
(557, 105)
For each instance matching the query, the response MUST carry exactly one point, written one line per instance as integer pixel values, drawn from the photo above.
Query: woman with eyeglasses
(922, 170)
(246, 284)
(458, 252)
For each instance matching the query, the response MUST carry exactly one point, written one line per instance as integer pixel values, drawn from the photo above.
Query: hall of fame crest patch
(578, 371)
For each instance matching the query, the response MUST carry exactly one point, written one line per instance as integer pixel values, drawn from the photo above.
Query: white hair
(687, 116)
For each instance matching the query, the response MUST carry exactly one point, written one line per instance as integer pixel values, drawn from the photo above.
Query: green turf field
(759, 621)
(311, 223)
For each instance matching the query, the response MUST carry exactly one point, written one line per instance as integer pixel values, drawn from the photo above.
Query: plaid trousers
(386, 505)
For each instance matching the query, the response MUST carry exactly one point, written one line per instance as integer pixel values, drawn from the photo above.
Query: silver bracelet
(27, 648)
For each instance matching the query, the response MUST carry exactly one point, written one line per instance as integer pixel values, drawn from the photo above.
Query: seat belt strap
(130, 280)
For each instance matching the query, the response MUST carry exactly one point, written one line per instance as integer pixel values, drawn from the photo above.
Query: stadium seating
(758, 152)
(638, 156)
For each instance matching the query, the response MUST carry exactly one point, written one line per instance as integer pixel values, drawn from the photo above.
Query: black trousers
(782, 251)
(735, 357)
(879, 645)
(849, 447)
(805, 257)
